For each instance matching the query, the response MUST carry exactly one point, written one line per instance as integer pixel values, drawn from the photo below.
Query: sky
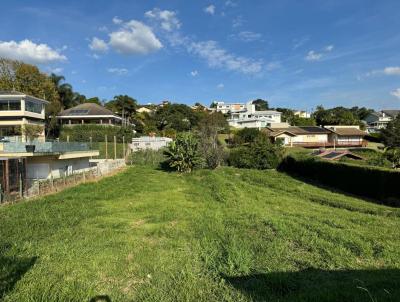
(296, 54)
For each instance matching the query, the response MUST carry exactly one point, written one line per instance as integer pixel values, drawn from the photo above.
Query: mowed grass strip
(224, 235)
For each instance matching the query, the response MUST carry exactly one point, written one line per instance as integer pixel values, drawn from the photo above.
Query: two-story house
(17, 110)
(249, 117)
(378, 120)
(226, 108)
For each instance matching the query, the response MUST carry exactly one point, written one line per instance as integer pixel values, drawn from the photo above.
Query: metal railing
(45, 147)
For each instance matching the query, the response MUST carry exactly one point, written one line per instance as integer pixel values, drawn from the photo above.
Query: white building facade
(378, 120)
(149, 142)
(248, 117)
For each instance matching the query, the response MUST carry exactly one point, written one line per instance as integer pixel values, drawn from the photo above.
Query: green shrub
(261, 154)
(377, 183)
(83, 133)
(182, 154)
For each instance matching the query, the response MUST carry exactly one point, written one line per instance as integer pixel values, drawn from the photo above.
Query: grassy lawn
(225, 235)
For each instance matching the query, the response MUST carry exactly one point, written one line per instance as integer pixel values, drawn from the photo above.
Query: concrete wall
(45, 167)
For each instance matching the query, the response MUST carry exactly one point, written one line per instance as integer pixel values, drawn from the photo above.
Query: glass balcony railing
(45, 147)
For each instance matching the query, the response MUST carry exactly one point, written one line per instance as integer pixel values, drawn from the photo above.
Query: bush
(261, 154)
(83, 133)
(153, 158)
(378, 183)
(182, 154)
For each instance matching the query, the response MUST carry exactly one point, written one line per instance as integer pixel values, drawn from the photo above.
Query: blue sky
(295, 54)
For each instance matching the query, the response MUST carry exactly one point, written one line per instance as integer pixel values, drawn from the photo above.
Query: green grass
(225, 235)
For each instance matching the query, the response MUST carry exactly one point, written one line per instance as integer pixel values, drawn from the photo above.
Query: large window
(6, 105)
(33, 107)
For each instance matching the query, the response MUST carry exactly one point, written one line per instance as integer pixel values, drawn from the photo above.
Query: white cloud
(392, 70)
(300, 42)
(98, 45)
(210, 9)
(313, 56)
(134, 37)
(117, 20)
(329, 48)
(273, 65)
(103, 29)
(396, 93)
(168, 20)
(249, 36)
(237, 22)
(219, 57)
(30, 52)
(194, 73)
(230, 3)
(118, 71)
(220, 86)
(56, 70)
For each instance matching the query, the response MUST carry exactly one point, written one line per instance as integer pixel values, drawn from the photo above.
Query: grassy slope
(234, 235)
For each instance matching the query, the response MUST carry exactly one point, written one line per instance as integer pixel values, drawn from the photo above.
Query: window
(6, 105)
(33, 107)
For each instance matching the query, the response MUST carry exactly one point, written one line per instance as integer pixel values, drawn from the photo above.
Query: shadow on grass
(12, 269)
(100, 298)
(321, 285)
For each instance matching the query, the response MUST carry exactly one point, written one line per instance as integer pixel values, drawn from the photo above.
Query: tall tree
(123, 105)
(67, 96)
(261, 104)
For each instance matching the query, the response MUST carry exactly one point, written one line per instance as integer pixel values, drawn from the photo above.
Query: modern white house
(376, 121)
(90, 113)
(249, 117)
(22, 162)
(149, 142)
(18, 110)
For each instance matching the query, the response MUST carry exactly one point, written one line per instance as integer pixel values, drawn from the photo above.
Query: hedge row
(97, 133)
(379, 184)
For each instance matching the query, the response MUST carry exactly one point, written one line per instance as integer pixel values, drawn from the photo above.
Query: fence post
(84, 176)
(115, 147)
(91, 146)
(1, 194)
(68, 138)
(106, 147)
(123, 146)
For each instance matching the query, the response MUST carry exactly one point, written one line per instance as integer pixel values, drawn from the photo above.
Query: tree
(123, 105)
(94, 100)
(182, 154)
(260, 154)
(261, 104)
(32, 131)
(246, 136)
(391, 135)
(209, 147)
(65, 91)
(336, 116)
(177, 116)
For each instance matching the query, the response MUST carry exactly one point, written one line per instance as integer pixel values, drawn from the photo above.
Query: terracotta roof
(87, 109)
(349, 132)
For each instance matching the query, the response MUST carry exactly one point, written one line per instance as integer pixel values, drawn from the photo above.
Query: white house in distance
(378, 120)
(149, 142)
(302, 113)
(249, 117)
(229, 107)
(17, 110)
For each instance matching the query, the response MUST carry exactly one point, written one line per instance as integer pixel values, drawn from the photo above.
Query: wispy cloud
(297, 43)
(210, 9)
(194, 73)
(118, 71)
(237, 22)
(249, 36)
(220, 86)
(167, 19)
(396, 93)
(313, 55)
(389, 71)
(117, 20)
(218, 57)
(230, 3)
